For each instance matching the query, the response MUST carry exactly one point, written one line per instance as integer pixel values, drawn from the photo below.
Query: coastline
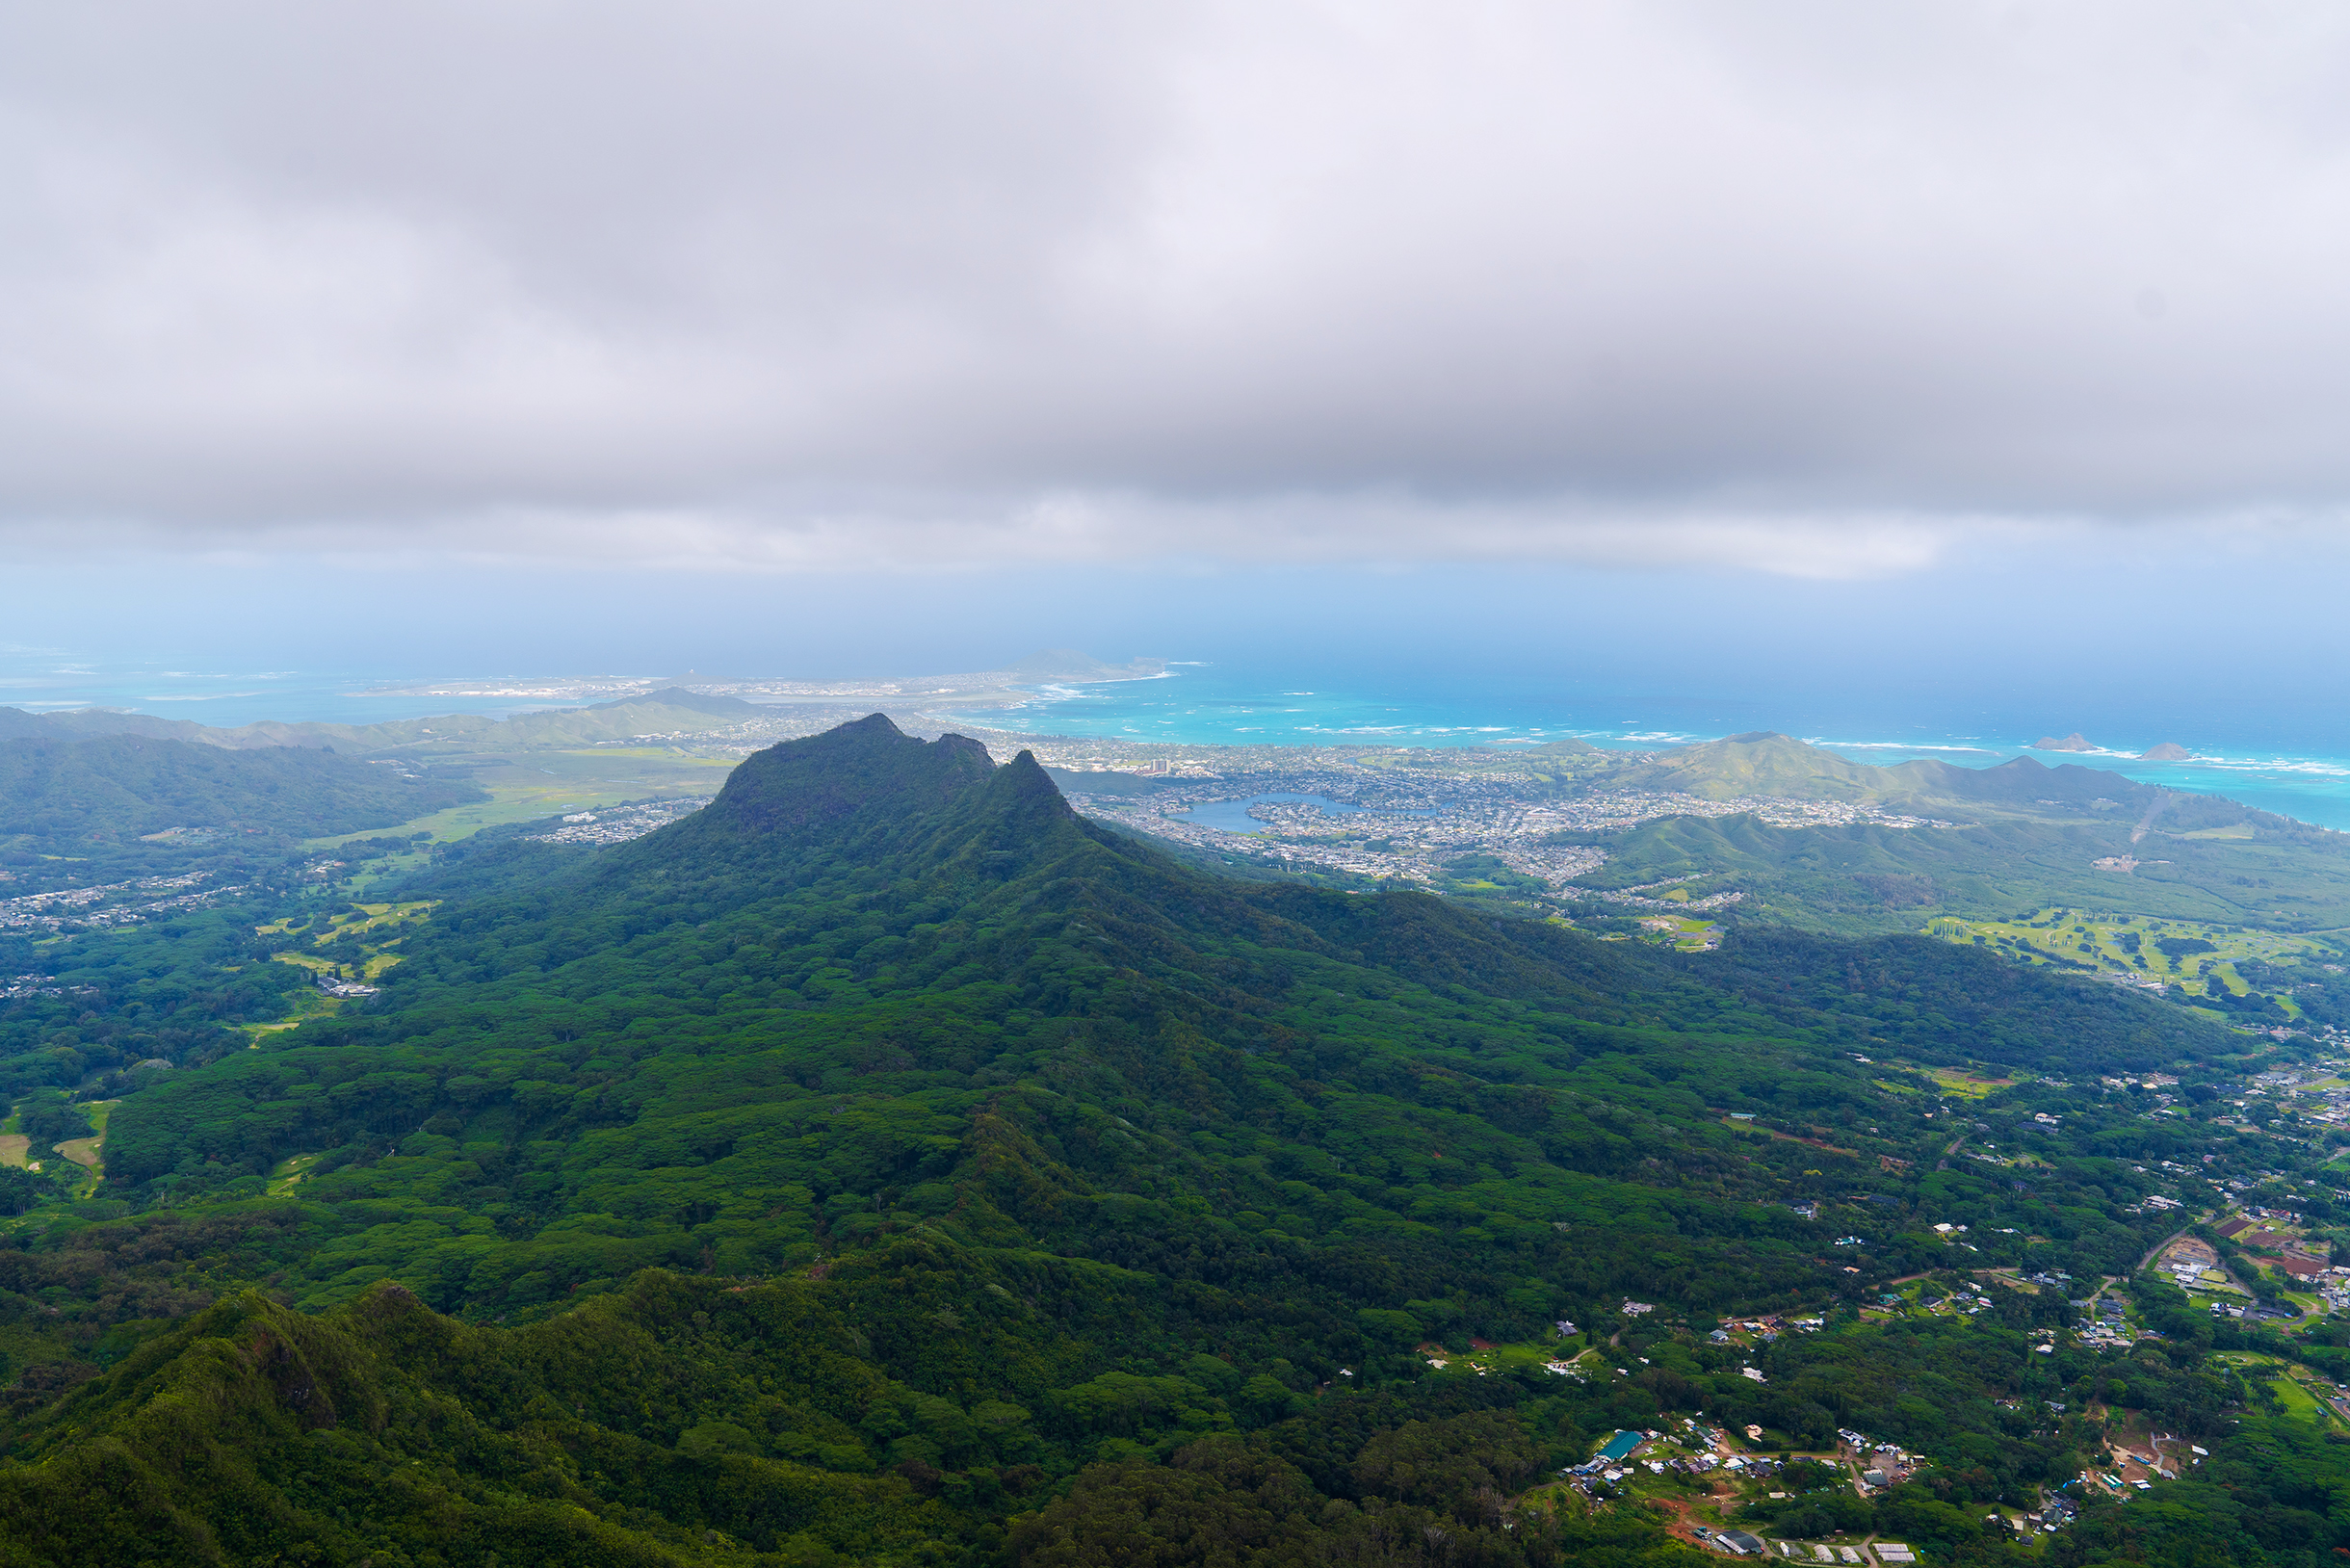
(1188, 703)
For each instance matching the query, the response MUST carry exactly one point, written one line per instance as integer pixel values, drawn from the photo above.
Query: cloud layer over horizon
(1825, 290)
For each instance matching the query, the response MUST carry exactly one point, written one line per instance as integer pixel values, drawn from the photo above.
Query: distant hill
(81, 722)
(2074, 742)
(1765, 764)
(121, 786)
(1866, 878)
(657, 713)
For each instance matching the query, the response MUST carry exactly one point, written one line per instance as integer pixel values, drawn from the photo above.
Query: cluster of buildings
(2133, 1470)
(617, 825)
(2193, 1266)
(1324, 850)
(2106, 1324)
(74, 906)
(1706, 1450)
(42, 985)
(349, 990)
(1889, 1464)
(1697, 1450)
(1738, 1543)
(1452, 813)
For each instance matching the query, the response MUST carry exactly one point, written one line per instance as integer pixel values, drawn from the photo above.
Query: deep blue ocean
(1207, 702)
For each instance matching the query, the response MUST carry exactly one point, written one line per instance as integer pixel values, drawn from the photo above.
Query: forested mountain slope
(97, 812)
(1004, 1183)
(116, 788)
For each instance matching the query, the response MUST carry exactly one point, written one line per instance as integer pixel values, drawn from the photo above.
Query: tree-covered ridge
(1865, 878)
(667, 710)
(1092, 1188)
(174, 991)
(1767, 764)
(114, 787)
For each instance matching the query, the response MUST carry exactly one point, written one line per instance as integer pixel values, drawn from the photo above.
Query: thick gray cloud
(1819, 288)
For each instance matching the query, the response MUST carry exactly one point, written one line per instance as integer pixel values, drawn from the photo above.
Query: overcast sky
(1835, 290)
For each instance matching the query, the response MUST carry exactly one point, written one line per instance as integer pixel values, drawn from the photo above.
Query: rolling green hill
(1765, 764)
(114, 789)
(885, 1165)
(1866, 878)
(1768, 764)
(670, 710)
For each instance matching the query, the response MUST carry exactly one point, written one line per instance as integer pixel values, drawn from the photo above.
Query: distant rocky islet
(2164, 751)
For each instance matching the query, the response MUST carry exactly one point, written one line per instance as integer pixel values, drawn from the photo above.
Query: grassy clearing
(289, 1173)
(2129, 947)
(1968, 1086)
(1495, 1358)
(506, 803)
(388, 920)
(86, 1152)
(309, 1003)
(1685, 932)
(2298, 1402)
(373, 917)
(2207, 1296)
(524, 792)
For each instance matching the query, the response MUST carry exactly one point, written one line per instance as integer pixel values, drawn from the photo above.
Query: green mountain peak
(888, 1164)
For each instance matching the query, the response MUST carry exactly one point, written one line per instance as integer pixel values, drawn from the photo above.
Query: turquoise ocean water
(1205, 702)
(1210, 703)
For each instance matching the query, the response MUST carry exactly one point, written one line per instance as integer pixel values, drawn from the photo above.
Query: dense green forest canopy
(887, 1164)
(113, 788)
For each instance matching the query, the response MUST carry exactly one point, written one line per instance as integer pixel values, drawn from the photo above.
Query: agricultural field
(1685, 933)
(2197, 956)
(548, 783)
